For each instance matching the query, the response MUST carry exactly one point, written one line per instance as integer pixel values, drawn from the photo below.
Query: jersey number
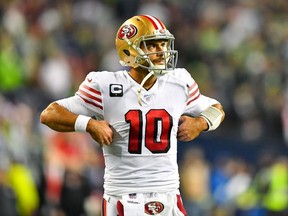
(157, 131)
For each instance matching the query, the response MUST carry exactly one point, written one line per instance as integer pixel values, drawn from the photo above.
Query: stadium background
(236, 50)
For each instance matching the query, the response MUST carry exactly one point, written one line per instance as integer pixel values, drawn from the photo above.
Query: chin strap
(151, 73)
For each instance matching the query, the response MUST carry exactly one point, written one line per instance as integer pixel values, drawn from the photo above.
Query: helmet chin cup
(158, 70)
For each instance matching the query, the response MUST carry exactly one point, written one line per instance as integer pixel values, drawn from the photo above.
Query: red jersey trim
(90, 96)
(90, 89)
(193, 99)
(92, 103)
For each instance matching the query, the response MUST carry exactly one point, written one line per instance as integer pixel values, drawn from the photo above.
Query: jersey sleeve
(76, 105)
(196, 102)
(90, 93)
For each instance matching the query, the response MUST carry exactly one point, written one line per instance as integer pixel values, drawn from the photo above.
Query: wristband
(213, 117)
(81, 123)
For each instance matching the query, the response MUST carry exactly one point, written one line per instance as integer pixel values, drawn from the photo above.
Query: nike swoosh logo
(89, 80)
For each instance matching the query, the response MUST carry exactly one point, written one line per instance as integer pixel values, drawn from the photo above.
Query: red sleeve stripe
(195, 92)
(81, 92)
(192, 86)
(156, 22)
(90, 89)
(193, 99)
(92, 103)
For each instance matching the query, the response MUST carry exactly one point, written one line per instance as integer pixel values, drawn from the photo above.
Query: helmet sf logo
(127, 30)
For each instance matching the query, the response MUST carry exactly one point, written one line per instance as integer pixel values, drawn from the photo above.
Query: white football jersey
(143, 155)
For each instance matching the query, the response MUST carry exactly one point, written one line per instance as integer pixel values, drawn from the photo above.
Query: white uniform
(143, 155)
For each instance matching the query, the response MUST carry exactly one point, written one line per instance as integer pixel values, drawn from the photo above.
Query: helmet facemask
(142, 59)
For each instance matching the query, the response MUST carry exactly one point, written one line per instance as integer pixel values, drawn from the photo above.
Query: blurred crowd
(237, 51)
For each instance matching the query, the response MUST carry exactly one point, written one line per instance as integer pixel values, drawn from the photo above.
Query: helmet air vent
(126, 52)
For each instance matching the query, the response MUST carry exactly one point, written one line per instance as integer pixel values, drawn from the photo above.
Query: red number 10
(157, 130)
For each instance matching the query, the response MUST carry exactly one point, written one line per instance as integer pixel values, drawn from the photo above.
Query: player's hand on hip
(100, 131)
(190, 127)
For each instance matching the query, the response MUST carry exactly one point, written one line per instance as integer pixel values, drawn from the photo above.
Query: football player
(137, 116)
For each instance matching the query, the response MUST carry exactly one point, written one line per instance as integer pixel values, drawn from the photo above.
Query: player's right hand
(100, 131)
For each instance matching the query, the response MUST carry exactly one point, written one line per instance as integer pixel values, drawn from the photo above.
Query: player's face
(155, 49)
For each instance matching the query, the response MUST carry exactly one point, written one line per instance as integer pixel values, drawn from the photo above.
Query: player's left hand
(190, 127)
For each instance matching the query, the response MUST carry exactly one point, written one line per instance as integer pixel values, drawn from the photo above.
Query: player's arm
(202, 113)
(190, 127)
(61, 119)
(58, 118)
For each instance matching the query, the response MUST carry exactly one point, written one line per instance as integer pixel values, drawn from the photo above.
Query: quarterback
(137, 116)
